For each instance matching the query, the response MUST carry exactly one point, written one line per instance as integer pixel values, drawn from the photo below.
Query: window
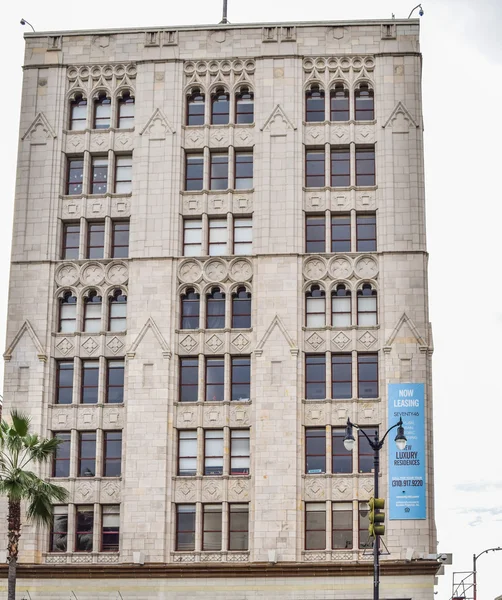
(241, 309)
(102, 112)
(364, 103)
(190, 309)
(75, 176)
(244, 107)
(340, 167)
(341, 306)
(64, 382)
(112, 463)
(366, 305)
(315, 526)
(365, 165)
(84, 526)
(115, 382)
(185, 527)
(194, 172)
(342, 458)
(243, 236)
(192, 237)
(123, 175)
(241, 378)
(213, 452)
(92, 313)
(315, 234)
(99, 175)
(96, 240)
(365, 451)
(189, 379)
(67, 313)
(215, 303)
(243, 170)
(211, 530)
(78, 113)
(195, 108)
(120, 239)
(315, 450)
(314, 104)
(238, 527)
(90, 381)
(110, 528)
(342, 537)
(87, 454)
(118, 311)
(339, 98)
(366, 233)
(314, 168)
(218, 236)
(126, 111)
(364, 537)
(340, 233)
(315, 377)
(341, 374)
(71, 240)
(61, 461)
(239, 452)
(219, 171)
(220, 108)
(367, 375)
(59, 529)
(187, 453)
(215, 373)
(315, 304)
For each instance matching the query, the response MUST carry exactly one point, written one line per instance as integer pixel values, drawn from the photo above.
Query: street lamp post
(376, 445)
(474, 573)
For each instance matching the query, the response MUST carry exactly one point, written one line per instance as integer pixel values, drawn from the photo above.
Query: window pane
(238, 527)
(315, 377)
(243, 170)
(342, 458)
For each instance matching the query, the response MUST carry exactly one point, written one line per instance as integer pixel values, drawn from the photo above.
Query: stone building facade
(219, 256)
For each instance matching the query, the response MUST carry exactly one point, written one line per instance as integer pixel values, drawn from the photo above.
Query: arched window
(366, 305)
(67, 313)
(215, 306)
(341, 312)
(195, 108)
(220, 107)
(244, 106)
(339, 98)
(190, 309)
(314, 104)
(315, 306)
(241, 309)
(92, 313)
(126, 111)
(78, 113)
(364, 103)
(102, 112)
(118, 311)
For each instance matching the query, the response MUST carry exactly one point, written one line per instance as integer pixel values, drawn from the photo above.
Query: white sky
(462, 47)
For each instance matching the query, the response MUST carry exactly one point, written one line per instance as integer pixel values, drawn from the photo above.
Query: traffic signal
(377, 518)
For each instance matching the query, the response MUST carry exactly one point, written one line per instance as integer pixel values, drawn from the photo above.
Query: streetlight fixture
(420, 12)
(376, 444)
(474, 572)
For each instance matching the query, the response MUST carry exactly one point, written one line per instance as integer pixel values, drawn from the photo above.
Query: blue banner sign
(407, 467)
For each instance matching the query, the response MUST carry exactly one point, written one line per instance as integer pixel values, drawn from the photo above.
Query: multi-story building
(219, 256)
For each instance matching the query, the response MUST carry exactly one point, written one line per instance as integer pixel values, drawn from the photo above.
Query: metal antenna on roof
(224, 20)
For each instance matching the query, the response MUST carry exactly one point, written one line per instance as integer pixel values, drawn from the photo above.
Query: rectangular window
(123, 175)
(84, 527)
(315, 526)
(366, 453)
(187, 453)
(189, 379)
(238, 527)
(213, 452)
(185, 527)
(315, 377)
(239, 452)
(215, 379)
(115, 382)
(315, 234)
(75, 176)
(341, 307)
(99, 175)
(64, 382)
(110, 528)
(314, 168)
(243, 170)
(71, 240)
(87, 454)
(120, 239)
(364, 537)
(342, 458)
(367, 375)
(341, 376)
(211, 527)
(365, 166)
(340, 233)
(218, 237)
(342, 525)
(315, 450)
(219, 171)
(194, 172)
(95, 240)
(59, 529)
(61, 462)
(366, 233)
(340, 167)
(90, 382)
(112, 453)
(241, 378)
(243, 236)
(192, 237)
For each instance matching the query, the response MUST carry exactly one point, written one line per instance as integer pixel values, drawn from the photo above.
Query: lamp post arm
(489, 550)
(372, 443)
(474, 572)
(417, 6)
(400, 422)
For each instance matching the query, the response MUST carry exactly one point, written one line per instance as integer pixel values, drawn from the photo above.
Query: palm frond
(40, 497)
(20, 423)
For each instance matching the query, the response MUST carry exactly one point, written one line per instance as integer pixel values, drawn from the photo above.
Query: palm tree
(19, 448)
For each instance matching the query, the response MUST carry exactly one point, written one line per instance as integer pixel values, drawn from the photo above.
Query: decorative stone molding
(239, 415)
(342, 489)
(115, 345)
(190, 271)
(340, 134)
(340, 268)
(185, 491)
(219, 138)
(92, 78)
(90, 345)
(85, 491)
(366, 267)
(110, 492)
(315, 488)
(240, 270)
(214, 343)
(213, 416)
(67, 274)
(150, 325)
(113, 416)
(56, 559)
(108, 558)
(186, 417)
(314, 414)
(238, 490)
(117, 273)
(237, 557)
(341, 340)
(277, 322)
(189, 344)
(212, 557)
(157, 127)
(314, 268)
(81, 558)
(314, 557)
(228, 73)
(183, 558)
(315, 342)
(26, 328)
(215, 270)
(367, 339)
(241, 343)
(64, 346)
(92, 274)
(211, 491)
(87, 417)
(39, 132)
(62, 418)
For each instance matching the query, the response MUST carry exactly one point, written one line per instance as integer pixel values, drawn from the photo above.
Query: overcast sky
(462, 83)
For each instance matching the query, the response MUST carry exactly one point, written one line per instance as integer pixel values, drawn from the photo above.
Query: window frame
(240, 102)
(82, 509)
(190, 101)
(220, 118)
(243, 244)
(308, 530)
(242, 472)
(98, 121)
(321, 358)
(362, 164)
(89, 315)
(179, 531)
(94, 228)
(347, 360)
(314, 433)
(341, 239)
(199, 157)
(210, 363)
(53, 532)
(192, 244)
(183, 364)
(333, 111)
(312, 240)
(342, 179)
(360, 113)
(67, 300)
(339, 433)
(312, 295)
(309, 161)
(123, 120)
(362, 359)
(360, 225)
(78, 102)
(233, 360)
(349, 529)
(341, 314)
(94, 189)
(66, 248)
(125, 174)
(78, 172)
(363, 529)
(65, 436)
(238, 302)
(213, 471)
(109, 547)
(185, 302)
(81, 459)
(217, 508)
(218, 182)
(115, 253)
(179, 471)
(320, 100)
(238, 531)
(83, 387)
(108, 460)
(219, 303)
(365, 453)
(117, 323)
(242, 180)
(59, 387)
